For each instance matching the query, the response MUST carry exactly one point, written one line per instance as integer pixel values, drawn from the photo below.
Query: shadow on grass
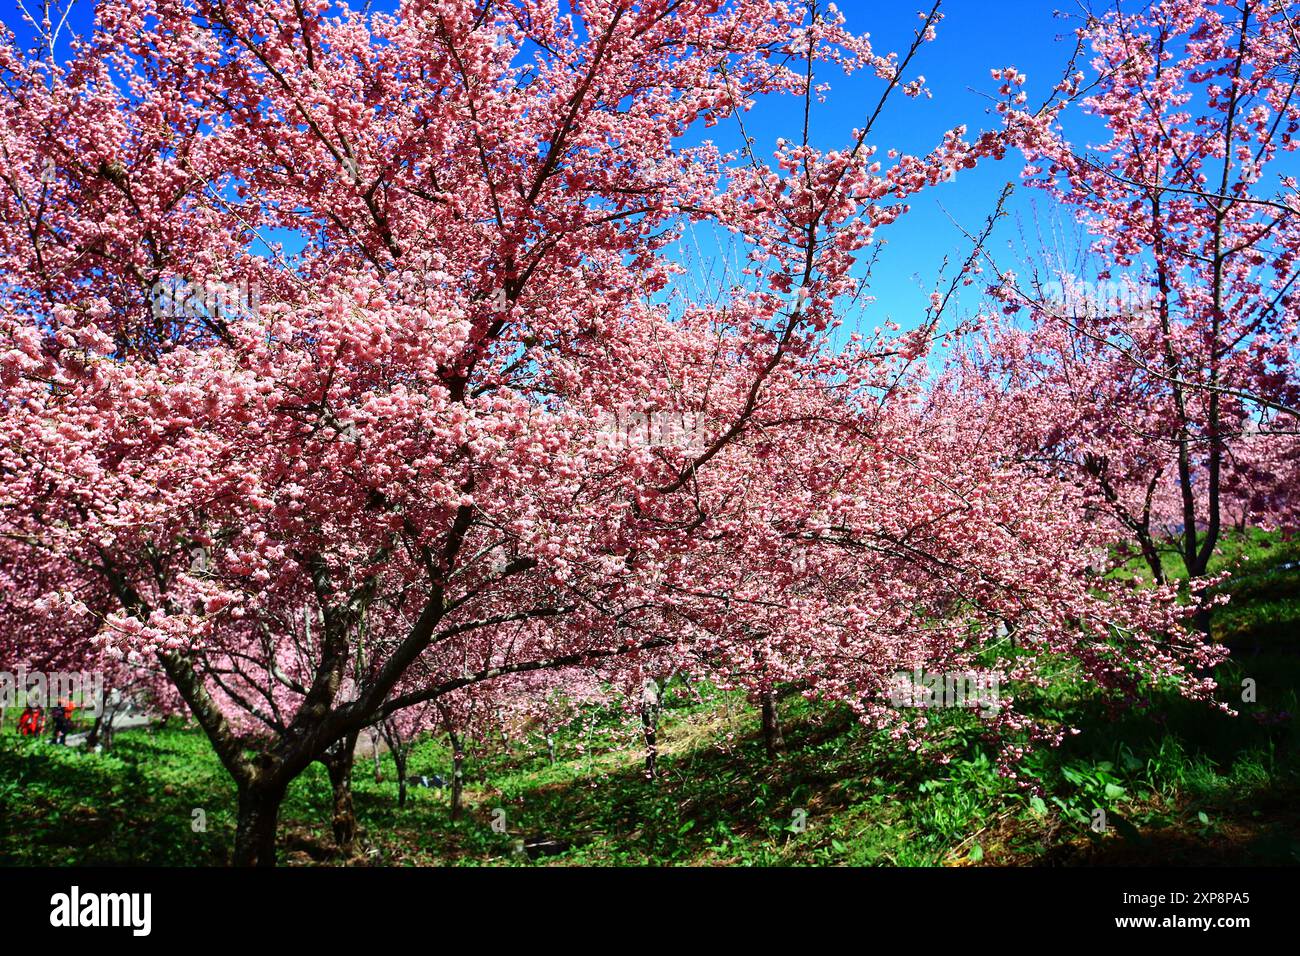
(1180, 784)
(134, 805)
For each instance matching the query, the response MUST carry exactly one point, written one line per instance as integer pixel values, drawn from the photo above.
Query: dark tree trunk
(1197, 565)
(338, 762)
(399, 761)
(259, 815)
(772, 738)
(457, 772)
(1152, 557)
(101, 732)
(1203, 617)
(398, 746)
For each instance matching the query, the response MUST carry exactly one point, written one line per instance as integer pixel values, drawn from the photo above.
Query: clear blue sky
(975, 36)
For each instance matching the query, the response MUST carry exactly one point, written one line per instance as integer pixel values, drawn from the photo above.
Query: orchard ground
(1179, 783)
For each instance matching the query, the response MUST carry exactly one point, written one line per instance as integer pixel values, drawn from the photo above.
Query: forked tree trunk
(772, 737)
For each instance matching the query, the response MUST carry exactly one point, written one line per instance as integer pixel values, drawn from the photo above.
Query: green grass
(1179, 782)
(1173, 778)
(1264, 591)
(1263, 610)
(60, 805)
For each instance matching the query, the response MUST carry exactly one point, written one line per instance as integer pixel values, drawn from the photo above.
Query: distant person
(31, 721)
(61, 720)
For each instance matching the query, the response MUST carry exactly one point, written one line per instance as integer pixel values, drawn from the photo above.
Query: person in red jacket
(31, 721)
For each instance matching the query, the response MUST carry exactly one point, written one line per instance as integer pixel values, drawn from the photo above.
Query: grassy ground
(1264, 611)
(1179, 783)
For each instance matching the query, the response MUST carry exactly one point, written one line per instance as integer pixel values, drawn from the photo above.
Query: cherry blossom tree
(405, 434)
(1181, 349)
(344, 353)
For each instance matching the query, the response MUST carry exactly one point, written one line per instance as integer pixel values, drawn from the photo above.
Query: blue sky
(975, 36)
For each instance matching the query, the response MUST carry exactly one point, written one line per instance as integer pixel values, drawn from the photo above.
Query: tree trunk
(1197, 566)
(650, 699)
(259, 815)
(101, 732)
(397, 746)
(1152, 557)
(338, 763)
(399, 761)
(772, 738)
(649, 728)
(457, 772)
